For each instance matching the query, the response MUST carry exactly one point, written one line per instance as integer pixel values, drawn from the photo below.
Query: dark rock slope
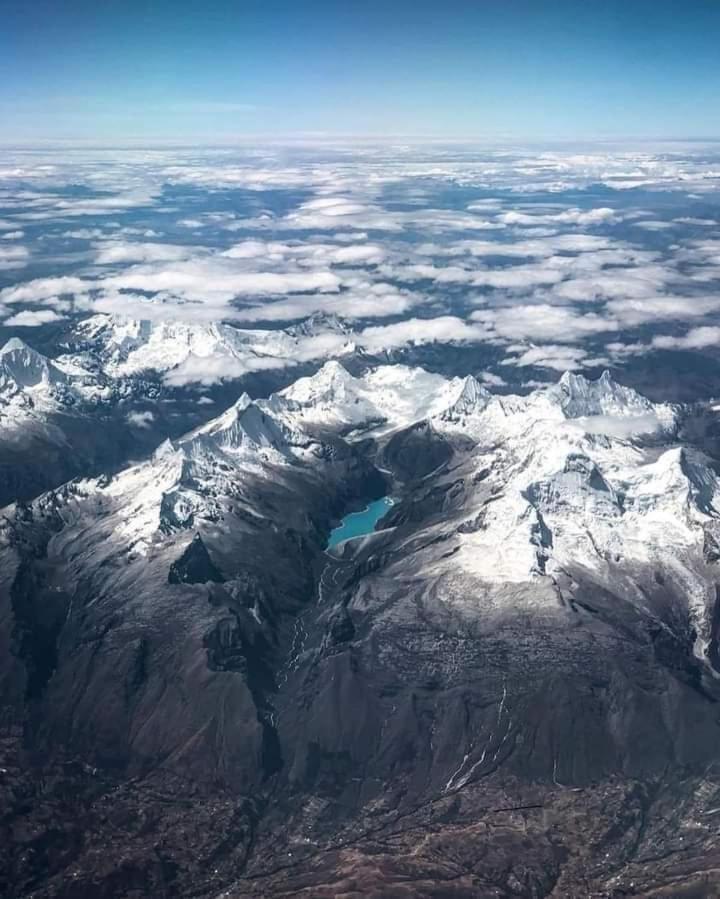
(196, 701)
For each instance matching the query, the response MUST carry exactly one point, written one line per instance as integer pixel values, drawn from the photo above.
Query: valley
(508, 689)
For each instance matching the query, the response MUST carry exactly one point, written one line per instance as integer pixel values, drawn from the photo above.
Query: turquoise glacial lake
(357, 524)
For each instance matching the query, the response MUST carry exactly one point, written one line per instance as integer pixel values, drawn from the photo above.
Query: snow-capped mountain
(193, 479)
(584, 474)
(123, 347)
(59, 420)
(536, 615)
(472, 398)
(27, 380)
(31, 381)
(22, 367)
(320, 323)
(385, 398)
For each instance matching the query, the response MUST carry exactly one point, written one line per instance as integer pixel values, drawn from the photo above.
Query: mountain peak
(332, 368)
(166, 449)
(241, 404)
(15, 344)
(331, 382)
(579, 396)
(318, 323)
(25, 366)
(246, 426)
(471, 398)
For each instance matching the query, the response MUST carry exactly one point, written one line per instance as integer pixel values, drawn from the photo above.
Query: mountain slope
(508, 690)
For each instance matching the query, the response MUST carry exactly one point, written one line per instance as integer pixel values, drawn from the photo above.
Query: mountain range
(509, 688)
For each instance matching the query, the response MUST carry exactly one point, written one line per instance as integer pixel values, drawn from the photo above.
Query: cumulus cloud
(200, 278)
(443, 329)
(212, 369)
(32, 318)
(558, 358)
(693, 220)
(560, 324)
(307, 253)
(363, 300)
(695, 339)
(632, 281)
(491, 379)
(512, 278)
(248, 177)
(523, 247)
(142, 420)
(42, 290)
(654, 225)
(13, 257)
(550, 275)
(115, 252)
(620, 426)
(573, 216)
(631, 312)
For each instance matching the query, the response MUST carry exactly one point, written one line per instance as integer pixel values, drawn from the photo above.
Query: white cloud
(13, 257)
(558, 358)
(520, 277)
(31, 319)
(652, 225)
(444, 329)
(620, 426)
(632, 312)
(307, 253)
(695, 339)
(636, 281)
(574, 216)
(538, 247)
(363, 300)
(45, 289)
(114, 252)
(140, 420)
(211, 369)
(492, 380)
(218, 279)
(541, 321)
(692, 220)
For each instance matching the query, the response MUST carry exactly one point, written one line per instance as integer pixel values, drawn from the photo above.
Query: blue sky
(214, 71)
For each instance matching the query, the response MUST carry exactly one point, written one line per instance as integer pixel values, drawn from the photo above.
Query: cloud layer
(552, 259)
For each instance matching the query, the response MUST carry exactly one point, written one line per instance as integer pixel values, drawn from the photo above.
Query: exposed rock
(194, 566)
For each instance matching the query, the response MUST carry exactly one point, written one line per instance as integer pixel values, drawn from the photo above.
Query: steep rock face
(28, 381)
(59, 421)
(22, 367)
(579, 397)
(476, 690)
(472, 398)
(416, 452)
(100, 656)
(194, 565)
